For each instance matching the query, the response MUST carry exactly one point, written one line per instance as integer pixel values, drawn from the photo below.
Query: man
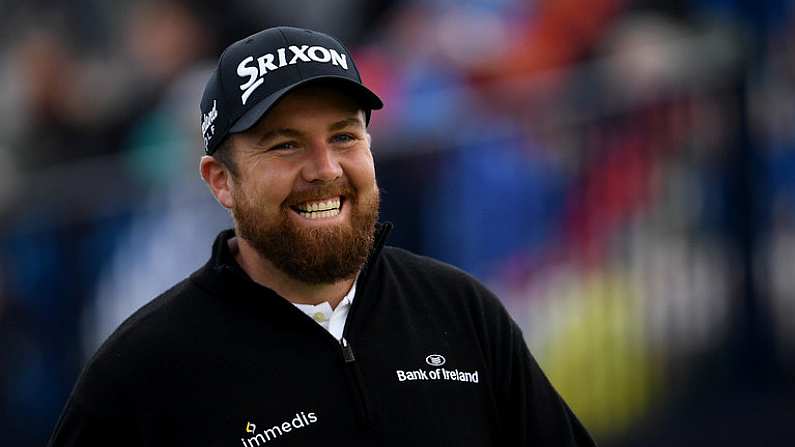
(303, 328)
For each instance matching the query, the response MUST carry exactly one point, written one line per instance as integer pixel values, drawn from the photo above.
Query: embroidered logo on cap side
(208, 129)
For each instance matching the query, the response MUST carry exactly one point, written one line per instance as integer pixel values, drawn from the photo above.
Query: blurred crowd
(621, 173)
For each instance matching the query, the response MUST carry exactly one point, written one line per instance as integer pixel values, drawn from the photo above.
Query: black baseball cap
(255, 72)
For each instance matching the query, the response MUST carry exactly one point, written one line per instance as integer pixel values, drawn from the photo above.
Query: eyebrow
(287, 132)
(283, 132)
(347, 122)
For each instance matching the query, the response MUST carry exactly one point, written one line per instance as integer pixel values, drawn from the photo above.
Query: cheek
(361, 171)
(267, 193)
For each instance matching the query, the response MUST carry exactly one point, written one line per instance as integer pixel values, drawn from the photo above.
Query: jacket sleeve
(533, 412)
(78, 427)
(98, 411)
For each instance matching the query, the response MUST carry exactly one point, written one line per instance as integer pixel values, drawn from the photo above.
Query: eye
(283, 146)
(343, 138)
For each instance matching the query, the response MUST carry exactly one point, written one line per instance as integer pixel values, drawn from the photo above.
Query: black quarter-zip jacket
(428, 357)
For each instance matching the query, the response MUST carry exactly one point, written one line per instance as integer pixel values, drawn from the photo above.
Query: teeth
(320, 214)
(324, 205)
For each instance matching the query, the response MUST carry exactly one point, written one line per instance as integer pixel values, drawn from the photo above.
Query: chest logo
(435, 360)
(301, 420)
(437, 373)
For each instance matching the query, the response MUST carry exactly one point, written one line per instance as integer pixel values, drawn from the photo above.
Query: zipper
(354, 376)
(352, 370)
(384, 231)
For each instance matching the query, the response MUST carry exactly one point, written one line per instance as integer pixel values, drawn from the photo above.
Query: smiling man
(301, 188)
(303, 327)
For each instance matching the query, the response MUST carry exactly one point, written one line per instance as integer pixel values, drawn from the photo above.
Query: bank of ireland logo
(435, 360)
(437, 372)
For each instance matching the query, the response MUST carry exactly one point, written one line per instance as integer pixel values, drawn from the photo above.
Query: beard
(312, 255)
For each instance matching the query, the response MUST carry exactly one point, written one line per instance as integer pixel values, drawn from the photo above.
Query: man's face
(306, 197)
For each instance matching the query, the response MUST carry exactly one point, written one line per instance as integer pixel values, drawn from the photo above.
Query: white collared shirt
(332, 320)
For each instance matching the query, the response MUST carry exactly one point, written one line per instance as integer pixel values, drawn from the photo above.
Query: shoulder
(150, 332)
(132, 365)
(133, 354)
(401, 260)
(437, 281)
(167, 311)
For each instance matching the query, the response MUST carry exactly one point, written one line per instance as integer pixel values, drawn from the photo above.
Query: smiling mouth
(319, 209)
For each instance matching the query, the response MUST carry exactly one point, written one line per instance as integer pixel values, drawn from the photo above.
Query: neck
(263, 272)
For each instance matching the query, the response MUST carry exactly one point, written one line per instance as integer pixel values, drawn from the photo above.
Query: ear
(218, 179)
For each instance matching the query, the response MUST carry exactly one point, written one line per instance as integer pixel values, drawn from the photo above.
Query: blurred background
(621, 173)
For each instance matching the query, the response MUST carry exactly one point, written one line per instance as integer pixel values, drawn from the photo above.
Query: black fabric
(218, 355)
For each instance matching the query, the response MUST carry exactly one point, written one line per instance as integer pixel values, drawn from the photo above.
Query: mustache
(339, 187)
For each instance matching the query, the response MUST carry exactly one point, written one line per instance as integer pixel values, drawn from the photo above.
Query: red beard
(313, 255)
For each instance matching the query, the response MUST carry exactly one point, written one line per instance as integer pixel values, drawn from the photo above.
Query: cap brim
(367, 99)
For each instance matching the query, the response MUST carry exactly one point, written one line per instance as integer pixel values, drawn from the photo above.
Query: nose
(321, 164)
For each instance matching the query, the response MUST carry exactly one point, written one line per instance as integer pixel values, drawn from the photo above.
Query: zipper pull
(357, 386)
(347, 351)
